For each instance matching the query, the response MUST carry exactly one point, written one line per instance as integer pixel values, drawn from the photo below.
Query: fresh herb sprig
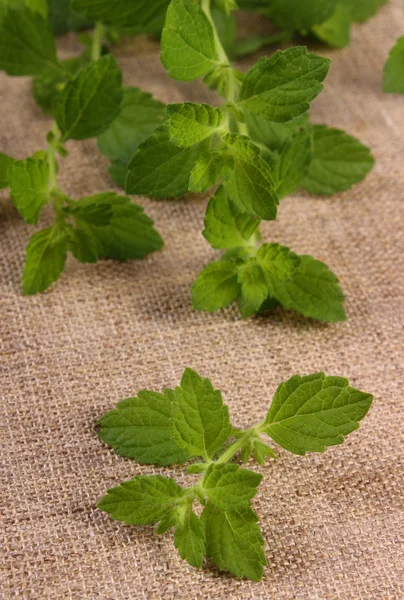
(307, 414)
(84, 102)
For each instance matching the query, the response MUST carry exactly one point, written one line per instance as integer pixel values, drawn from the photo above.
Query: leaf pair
(307, 414)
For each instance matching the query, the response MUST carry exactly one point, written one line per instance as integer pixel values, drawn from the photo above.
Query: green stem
(236, 446)
(51, 156)
(96, 46)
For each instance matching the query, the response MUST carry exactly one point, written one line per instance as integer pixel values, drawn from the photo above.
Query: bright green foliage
(307, 414)
(216, 286)
(209, 168)
(393, 76)
(225, 225)
(295, 15)
(28, 180)
(139, 428)
(27, 46)
(140, 16)
(280, 88)
(5, 163)
(292, 164)
(38, 6)
(162, 169)
(45, 259)
(310, 413)
(338, 161)
(188, 48)
(277, 262)
(200, 422)
(143, 500)
(91, 101)
(254, 288)
(139, 116)
(362, 10)
(235, 541)
(188, 124)
(335, 31)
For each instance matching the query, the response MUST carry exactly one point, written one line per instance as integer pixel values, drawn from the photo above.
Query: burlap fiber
(333, 523)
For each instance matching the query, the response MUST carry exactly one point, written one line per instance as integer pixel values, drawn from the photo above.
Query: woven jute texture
(333, 523)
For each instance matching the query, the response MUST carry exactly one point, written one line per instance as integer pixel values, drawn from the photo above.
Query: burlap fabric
(332, 523)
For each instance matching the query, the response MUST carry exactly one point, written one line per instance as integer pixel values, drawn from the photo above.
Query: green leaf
(200, 422)
(83, 246)
(295, 15)
(216, 286)
(310, 413)
(45, 260)
(189, 539)
(91, 101)
(120, 228)
(29, 187)
(314, 292)
(161, 169)
(63, 19)
(188, 48)
(362, 10)
(281, 87)
(188, 123)
(229, 486)
(335, 31)
(226, 27)
(278, 262)
(143, 500)
(140, 16)
(261, 451)
(39, 6)
(254, 289)
(139, 116)
(5, 164)
(27, 46)
(226, 6)
(338, 161)
(251, 186)
(209, 167)
(292, 164)
(271, 134)
(234, 541)
(139, 428)
(393, 75)
(225, 225)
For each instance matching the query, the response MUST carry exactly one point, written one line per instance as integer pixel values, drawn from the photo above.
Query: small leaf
(271, 134)
(91, 101)
(83, 246)
(254, 289)
(139, 428)
(225, 225)
(143, 500)
(216, 286)
(200, 423)
(336, 30)
(234, 541)
(292, 164)
(5, 163)
(310, 413)
(251, 186)
(229, 486)
(281, 87)
(29, 187)
(188, 48)
(161, 169)
(45, 260)
(188, 123)
(278, 262)
(393, 75)
(338, 161)
(189, 539)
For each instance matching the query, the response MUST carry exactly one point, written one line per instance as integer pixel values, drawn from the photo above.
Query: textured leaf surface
(310, 413)
(235, 541)
(143, 500)
(161, 169)
(29, 187)
(278, 262)
(281, 87)
(189, 539)
(225, 225)
(216, 286)
(139, 116)
(200, 423)
(229, 486)
(139, 428)
(294, 15)
(250, 186)
(393, 75)
(140, 16)
(27, 46)
(292, 164)
(91, 101)
(187, 45)
(338, 161)
(314, 292)
(45, 260)
(188, 123)
(254, 288)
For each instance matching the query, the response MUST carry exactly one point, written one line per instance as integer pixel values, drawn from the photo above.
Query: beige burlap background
(332, 523)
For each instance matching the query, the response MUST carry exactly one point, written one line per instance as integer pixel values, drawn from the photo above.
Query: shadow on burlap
(332, 523)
